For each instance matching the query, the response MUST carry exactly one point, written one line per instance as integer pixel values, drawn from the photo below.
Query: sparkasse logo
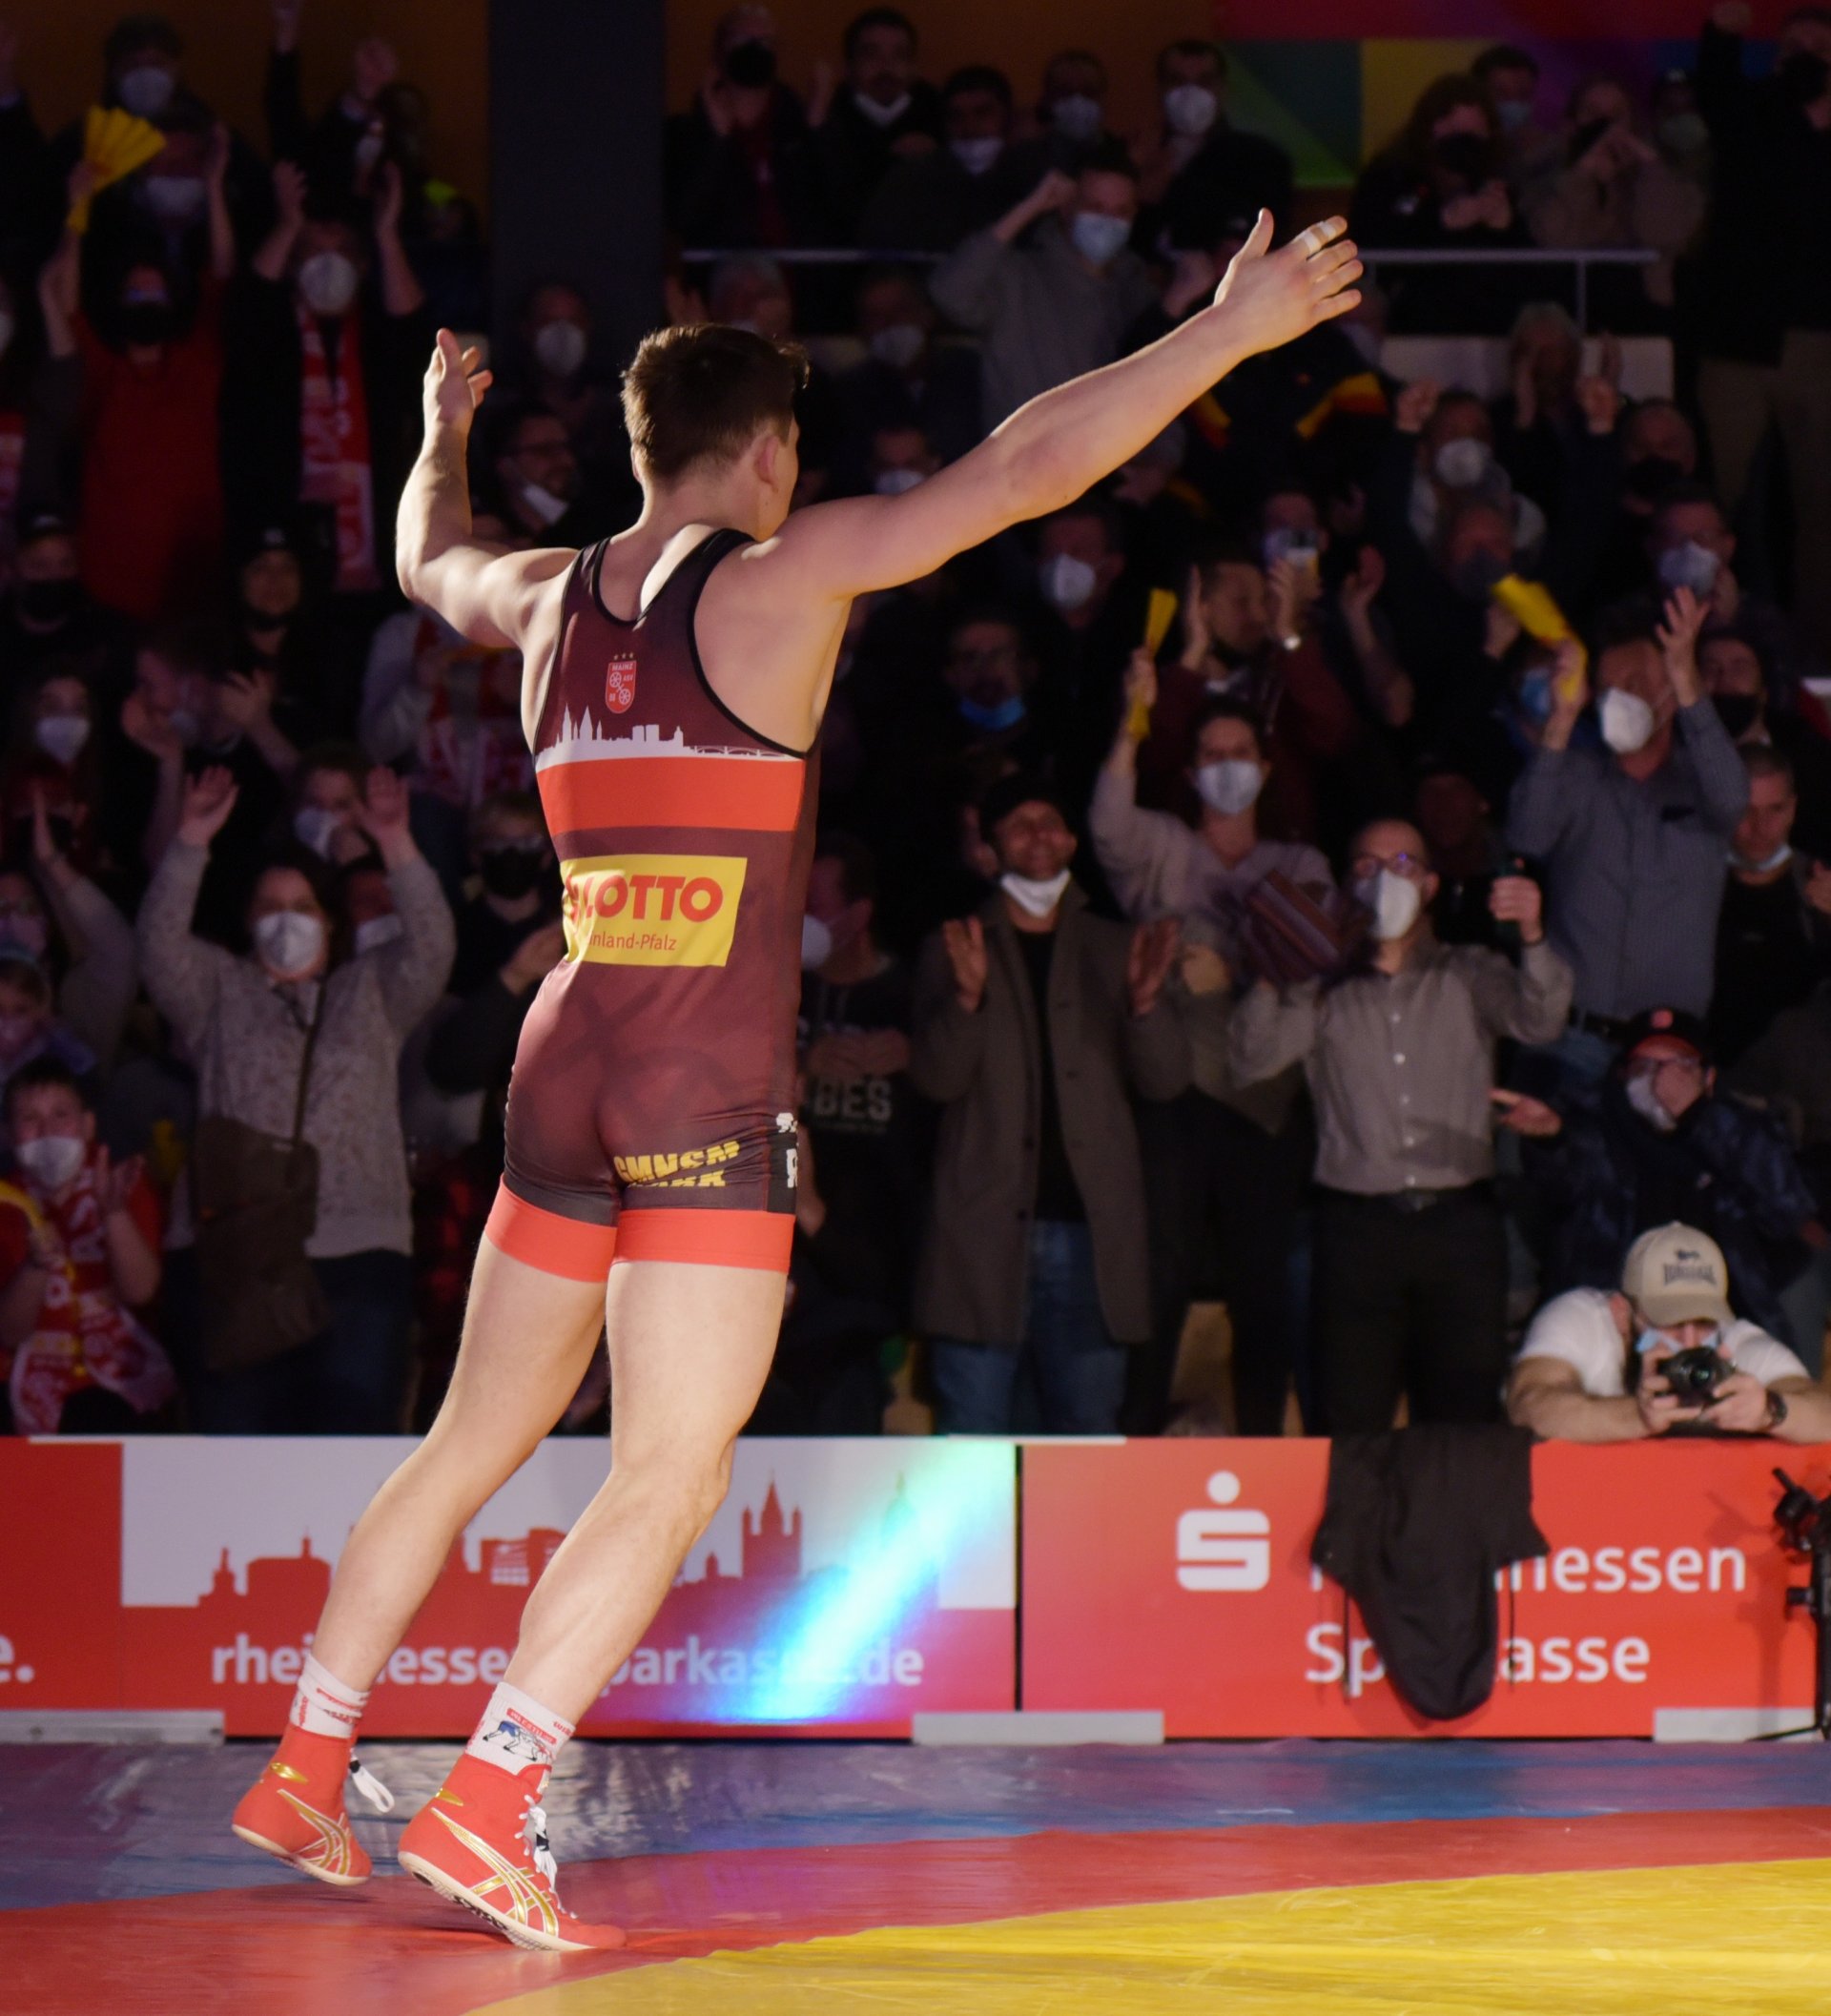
(1224, 1551)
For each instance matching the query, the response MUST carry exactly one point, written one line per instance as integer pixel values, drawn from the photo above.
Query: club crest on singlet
(619, 684)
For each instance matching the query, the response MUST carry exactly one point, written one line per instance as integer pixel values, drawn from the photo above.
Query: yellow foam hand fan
(1531, 605)
(1159, 613)
(115, 144)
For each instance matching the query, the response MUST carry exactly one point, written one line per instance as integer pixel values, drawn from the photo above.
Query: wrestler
(675, 680)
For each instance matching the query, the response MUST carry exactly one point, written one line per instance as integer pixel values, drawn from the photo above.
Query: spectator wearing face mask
(1196, 168)
(1591, 1367)
(79, 1261)
(1615, 189)
(243, 1021)
(1035, 1022)
(322, 397)
(1689, 544)
(47, 615)
(739, 166)
(280, 626)
(29, 1025)
(1071, 112)
(1656, 1143)
(1441, 187)
(1633, 835)
(1765, 280)
(152, 491)
(1094, 616)
(187, 714)
(1773, 932)
(540, 482)
(1411, 1269)
(169, 199)
(55, 916)
(969, 182)
(1225, 1165)
(1735, 665)
(908, 379)
(54, 762)
(880, 112)
(327, 805)
(557, 374)
(449, 712)
(1252, 640)
(1511, 78)
(1658, 447)
(1050, 305)
(871, 1134)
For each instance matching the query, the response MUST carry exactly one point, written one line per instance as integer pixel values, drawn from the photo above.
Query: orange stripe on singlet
(745, 794)
(707, 1238)
(567, 1247)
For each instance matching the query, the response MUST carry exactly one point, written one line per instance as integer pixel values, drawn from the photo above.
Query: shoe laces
(535, 1827)
(371, 1787)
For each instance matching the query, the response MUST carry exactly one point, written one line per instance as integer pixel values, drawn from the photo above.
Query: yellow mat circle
(1733, 1939)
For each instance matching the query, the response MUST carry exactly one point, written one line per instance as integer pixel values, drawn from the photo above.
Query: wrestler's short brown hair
(703, 392)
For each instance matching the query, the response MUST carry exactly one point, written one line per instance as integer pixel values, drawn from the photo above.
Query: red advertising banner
(842, 1588)
(1175, 1576)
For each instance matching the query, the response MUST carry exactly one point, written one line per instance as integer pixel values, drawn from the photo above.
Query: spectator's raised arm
(183, 974)
(413, 967)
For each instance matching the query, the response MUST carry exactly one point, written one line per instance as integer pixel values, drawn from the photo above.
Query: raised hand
(1818, 888)
(1360, 589)
(1677, 640)
(151, 731)
(1570, 685)
(44, 847)
(964, 941)
(385, 811)
(1197, 637)
(206, 805)
(1600, 402)
(535, 957)
(1147, 966)
(116, 1181)
(289, 194)
(1517, 900)
(455, 386)
(247, 699)
(1293, 589)
(1415, 403)
(389, 194)
(1140, 681)
(1274, 297)
(287, 14)
(215, 167)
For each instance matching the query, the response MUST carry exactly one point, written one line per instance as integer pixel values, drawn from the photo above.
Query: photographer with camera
(1662, 1355)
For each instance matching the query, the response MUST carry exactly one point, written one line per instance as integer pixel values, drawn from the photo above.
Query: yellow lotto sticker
(653, 909)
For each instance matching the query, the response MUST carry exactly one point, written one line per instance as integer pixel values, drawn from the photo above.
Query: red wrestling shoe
(294, 1809)
(480, 1841)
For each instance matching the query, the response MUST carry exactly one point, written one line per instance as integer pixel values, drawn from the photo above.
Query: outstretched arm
(1056, 447)
(487, 593)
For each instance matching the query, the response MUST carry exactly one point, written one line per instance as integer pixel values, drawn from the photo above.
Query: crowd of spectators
(1223, 895)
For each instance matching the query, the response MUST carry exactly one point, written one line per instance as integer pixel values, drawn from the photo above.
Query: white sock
(516, 1732)
(324, 1705)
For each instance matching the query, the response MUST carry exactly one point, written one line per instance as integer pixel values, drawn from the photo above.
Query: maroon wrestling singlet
(652, 1111)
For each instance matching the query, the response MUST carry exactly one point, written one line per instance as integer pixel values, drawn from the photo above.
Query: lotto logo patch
(653, 909)
(620, 684)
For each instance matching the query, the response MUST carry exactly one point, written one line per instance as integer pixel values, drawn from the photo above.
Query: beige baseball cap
(1677, 1274)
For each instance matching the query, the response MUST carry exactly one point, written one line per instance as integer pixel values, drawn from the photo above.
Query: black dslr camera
(1694, 1375)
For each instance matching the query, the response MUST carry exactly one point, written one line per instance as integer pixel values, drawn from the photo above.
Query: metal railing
(1373, 256)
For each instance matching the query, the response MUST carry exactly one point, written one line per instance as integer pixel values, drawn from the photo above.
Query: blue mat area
(81, 1822)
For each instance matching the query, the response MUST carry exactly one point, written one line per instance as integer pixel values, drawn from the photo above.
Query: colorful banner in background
(842, 1588)
(1175, 1576)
